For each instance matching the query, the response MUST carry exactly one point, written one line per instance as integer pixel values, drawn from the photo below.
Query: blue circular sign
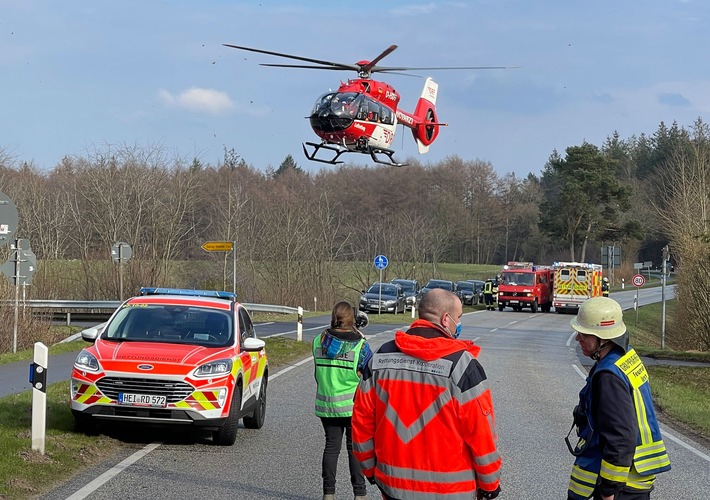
(381, 262)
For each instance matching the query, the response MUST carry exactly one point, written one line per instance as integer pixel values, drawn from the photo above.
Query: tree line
(301, 234)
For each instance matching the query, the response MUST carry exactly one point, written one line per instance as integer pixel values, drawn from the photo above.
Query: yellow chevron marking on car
(92, 395)
(200, 400)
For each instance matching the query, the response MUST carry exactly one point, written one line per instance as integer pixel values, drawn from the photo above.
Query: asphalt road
(534, 372)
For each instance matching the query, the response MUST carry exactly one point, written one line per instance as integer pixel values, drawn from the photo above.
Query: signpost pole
(380, 263)
(234, 267)
(17, 295)
(379, 295)
(638, 280)
(665, 254)
(120, 272)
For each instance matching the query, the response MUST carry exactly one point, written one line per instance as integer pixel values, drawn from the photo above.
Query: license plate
(125, 398)
(513, 301)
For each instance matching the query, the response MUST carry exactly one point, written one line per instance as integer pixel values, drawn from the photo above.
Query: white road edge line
(89, 488)
(112, 472)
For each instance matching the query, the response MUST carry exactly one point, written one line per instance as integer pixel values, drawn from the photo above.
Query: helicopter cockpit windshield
(340, 104)
(336, 111)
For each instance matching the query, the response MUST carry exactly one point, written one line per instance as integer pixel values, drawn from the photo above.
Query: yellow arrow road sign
(217, 246)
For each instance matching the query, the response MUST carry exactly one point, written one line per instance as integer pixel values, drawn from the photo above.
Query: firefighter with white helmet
(620, 449)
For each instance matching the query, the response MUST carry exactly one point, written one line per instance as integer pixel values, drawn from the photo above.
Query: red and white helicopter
(362, 115)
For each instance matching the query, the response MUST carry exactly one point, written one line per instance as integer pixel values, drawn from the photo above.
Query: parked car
(478, 288)
(383, 297)
(173, 357)
(412, 289)
(466, 292)
(436, 283)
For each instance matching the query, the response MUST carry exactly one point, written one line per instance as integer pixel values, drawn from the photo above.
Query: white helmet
(605, 279)
(603, 318)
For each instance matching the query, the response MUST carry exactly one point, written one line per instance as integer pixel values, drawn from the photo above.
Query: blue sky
(82, 77)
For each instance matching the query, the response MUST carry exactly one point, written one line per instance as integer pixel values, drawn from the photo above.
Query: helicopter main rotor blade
(388, 69)
(298, 58)
(303, 66)
(368, 67)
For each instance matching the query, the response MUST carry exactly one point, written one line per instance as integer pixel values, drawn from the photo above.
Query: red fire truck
(523, 284)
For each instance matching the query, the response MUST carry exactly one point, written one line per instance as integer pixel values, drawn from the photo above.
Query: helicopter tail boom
(426, 126)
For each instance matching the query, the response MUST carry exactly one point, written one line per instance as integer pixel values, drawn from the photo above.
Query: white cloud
(201, 100)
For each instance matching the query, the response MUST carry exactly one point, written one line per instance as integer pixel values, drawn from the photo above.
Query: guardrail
(106, 307)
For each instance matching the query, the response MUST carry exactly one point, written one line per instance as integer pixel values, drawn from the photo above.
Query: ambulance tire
(533, 306)
(84, 424)
(255, 420)
(227, 434)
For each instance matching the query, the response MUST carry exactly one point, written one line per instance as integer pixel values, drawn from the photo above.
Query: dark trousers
(334, 429)
(488, 299)
(627, 495)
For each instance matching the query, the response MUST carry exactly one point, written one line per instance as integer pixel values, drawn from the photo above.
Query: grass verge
(25, 473)
(681, 393)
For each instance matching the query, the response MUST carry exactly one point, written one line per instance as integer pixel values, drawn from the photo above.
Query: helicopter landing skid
(338, 150)
(317, 147)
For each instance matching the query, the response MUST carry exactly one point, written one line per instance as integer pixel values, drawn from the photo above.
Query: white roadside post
(299, 328)
(38, 379)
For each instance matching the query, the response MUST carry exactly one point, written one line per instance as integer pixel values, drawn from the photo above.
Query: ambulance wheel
(227, 434)
(84, 424)
(256, 419)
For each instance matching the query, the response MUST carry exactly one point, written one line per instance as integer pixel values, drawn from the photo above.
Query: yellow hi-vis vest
(337, 380)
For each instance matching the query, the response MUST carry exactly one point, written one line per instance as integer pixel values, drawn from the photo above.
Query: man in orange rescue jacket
(423, 423)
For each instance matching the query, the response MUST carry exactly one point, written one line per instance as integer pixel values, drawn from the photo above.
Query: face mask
(458, 328)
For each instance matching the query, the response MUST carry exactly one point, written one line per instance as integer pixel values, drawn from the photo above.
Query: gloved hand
(370, 479)
(483, 494)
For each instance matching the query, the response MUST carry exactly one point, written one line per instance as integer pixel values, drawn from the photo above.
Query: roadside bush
(30, 329)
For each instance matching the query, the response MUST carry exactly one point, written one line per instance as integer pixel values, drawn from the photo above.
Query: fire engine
(524, 284)
(575, 282)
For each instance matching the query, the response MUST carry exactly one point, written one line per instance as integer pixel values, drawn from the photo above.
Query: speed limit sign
(638, 280)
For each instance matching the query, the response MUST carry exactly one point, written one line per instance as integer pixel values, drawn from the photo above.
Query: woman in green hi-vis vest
(339, 353)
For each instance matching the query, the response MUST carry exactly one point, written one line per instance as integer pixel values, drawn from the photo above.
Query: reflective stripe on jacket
(423, 422)
(649, 457)
(337, 379)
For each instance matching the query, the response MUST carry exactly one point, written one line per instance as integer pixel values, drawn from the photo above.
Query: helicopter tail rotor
(427, 128)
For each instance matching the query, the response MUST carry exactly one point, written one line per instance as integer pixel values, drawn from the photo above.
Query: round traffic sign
(638, 280)
(8, 219)
(121, 252)
(381, 262)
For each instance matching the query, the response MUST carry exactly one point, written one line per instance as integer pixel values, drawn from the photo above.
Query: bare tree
(684, 209)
